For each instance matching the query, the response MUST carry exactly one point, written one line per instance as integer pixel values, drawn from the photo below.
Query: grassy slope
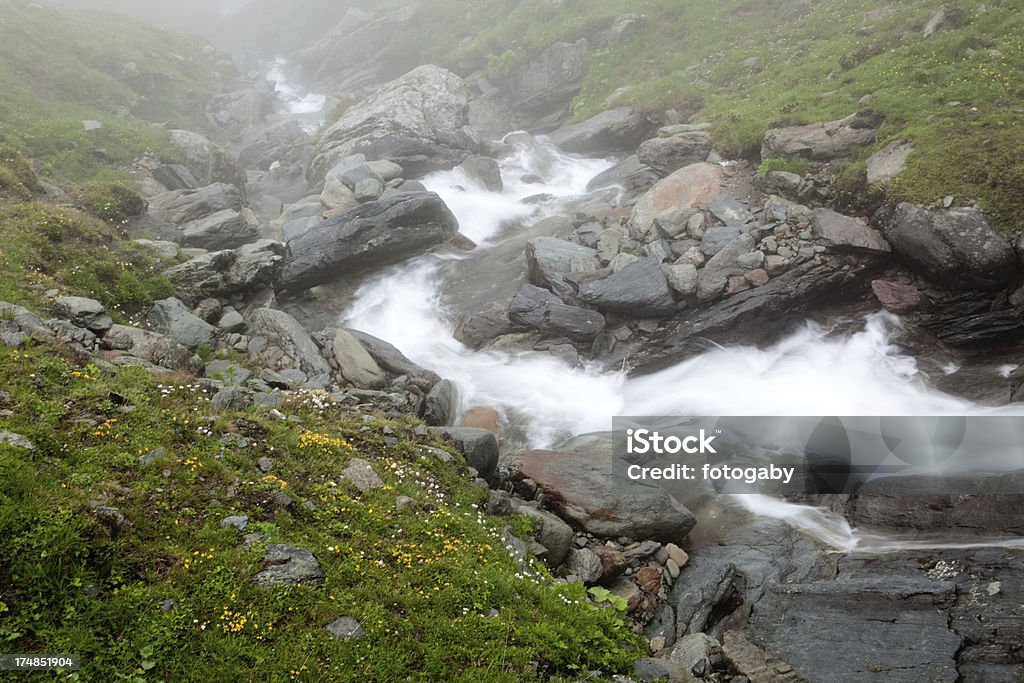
(58, 69)
(693, 56)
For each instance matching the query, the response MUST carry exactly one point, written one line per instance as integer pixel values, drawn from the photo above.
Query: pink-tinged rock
(686, 188)
(896, 297)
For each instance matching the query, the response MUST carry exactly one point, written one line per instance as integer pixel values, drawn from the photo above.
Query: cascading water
(809, 373)
(305, 106)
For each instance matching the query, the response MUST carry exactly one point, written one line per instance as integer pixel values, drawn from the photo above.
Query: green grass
(423, 584)
(744, 67)
(51, 247)
(58, 69)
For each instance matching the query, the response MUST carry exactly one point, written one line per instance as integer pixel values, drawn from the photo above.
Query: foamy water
(810, 372)
(305, 106)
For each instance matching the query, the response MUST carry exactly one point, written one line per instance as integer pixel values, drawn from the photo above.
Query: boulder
(174, 177)
(676, 147)
(551, 532)
(483, 170)
(585, 493)
(682, 278)
(686, 188)
(730, 211)
(954, 247)
(172, 318)
(245, 270)
(356, 364)
(225, 229)
(629, 174)
(391, 359)
(584, 564)
(888, 162)
(419, 121)
(441, 403)
(820, 141)
(182, 206)
(639, 290)
(539, 309)
(153, 348)
(843, 233)
(897, 297)
(281, 329)
(718, 238)
(369, 236)
(288, 565)
(614, 130)
(478, 446)
(548, 259)
(549, 79)
(83, 312)
(207, 162)
(286, 141)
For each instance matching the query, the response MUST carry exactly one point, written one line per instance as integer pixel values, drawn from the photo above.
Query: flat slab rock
(288, 565)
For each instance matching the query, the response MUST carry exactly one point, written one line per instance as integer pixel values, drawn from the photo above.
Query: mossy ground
(437, 593)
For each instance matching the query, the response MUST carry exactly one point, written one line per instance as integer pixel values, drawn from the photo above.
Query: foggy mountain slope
(932, 71)
(58, 69)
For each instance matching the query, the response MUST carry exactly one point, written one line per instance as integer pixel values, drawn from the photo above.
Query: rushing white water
(305, 106)
(809, 373)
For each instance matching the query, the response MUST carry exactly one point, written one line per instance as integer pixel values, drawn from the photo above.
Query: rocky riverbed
(540, 282)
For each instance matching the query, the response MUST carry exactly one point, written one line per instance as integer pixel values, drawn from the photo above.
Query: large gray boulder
(843, 233)
(372, 235)
(420, 121)
(245, 270)
(629, 174)
(585, 493)
(540, 309)
(676, 147)
(555, 535)
(684, 189)
(207, 162)
(281, 329)
(954, 247)
(356, 364)
(83, 312)
(225, 229)
(479, 446)
(548, 259)
(286, 141)
(613, 130)
(639, 290)
(153, 348)
(549, 79)
(172, 318)
(391, 359)
(182, 206)
(820, 141)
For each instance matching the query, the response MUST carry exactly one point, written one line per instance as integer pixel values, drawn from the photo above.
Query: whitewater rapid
(811, 372)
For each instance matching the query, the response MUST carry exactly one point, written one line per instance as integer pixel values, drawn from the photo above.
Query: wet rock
(391, 359)
(288, 565)
(482, 417)
(540, 309)
(632, 176)
(369, 236)
(638, 289)
(485, 171)
(548, 259)
(613, 130)
(897, 297)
